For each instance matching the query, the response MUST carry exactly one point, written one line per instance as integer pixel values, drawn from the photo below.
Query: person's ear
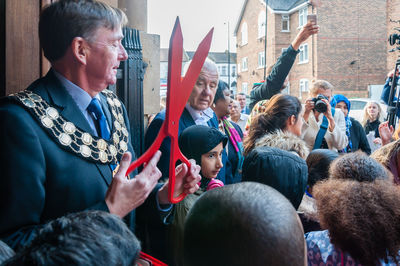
(80, 49)
(292, 120)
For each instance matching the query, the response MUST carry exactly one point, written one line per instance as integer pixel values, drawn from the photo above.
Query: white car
(357, 108)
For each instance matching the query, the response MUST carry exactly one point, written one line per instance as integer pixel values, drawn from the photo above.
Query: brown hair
(362, 218)
(278, 110)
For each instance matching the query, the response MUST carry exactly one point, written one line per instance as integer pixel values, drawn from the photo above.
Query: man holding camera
(324, 127)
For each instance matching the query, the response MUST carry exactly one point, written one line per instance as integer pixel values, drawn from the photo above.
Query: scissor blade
(174, 64)
(196, 65)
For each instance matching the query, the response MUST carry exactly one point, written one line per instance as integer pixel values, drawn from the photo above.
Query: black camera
(319, 105)
(394, 39)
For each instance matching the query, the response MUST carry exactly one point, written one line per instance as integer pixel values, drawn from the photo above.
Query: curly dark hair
(362, 218)
(357, 166)
(279, 109)
(318, 162)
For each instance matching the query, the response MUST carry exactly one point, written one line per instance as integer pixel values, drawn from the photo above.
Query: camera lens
(320, 106)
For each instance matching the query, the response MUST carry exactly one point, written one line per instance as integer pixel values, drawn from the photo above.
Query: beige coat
(337, 139)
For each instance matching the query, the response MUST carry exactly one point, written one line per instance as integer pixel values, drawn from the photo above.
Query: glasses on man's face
(117, 45)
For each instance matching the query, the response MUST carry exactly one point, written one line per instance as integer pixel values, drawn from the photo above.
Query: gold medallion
(117, 102)
(46, 121)
(125, 132)
(85, 151)
(103, 156)
(123, 146)
(110, 101)
(28, 102)
(121, 118)
(87, 138)
(114, 114)
(112, 150)
(52, 113)
(115, 138)
(64, 139)
(69, 128)
(102, 145)
(35, 97)
(117, 125)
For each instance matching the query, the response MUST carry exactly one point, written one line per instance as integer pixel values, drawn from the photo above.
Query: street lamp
(229, 58)
(265, 40)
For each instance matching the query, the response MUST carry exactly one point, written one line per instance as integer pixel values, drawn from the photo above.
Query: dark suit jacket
(185, 121)
(39, 180)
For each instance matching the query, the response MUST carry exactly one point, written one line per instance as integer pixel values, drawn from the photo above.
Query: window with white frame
(303, 16)
(261, 24)
(244, 87)
(224, 71)
(244, 63)
(261, 59)
(244, 33)
(304, 85)
(285, 23)
(303, 55)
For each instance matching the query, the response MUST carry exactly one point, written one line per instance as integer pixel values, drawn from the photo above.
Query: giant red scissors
(178, 92)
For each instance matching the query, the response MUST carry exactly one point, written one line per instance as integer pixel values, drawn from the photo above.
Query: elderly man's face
(242, 100)
(105, 54)
(204, 90)
(235, 109)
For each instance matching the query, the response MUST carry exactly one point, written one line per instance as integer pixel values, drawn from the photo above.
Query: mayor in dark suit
(62, 138)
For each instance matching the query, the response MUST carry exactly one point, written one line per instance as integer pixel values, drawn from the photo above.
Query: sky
(197, 18)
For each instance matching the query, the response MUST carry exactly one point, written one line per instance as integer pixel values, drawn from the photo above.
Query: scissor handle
(176, 155)
(145, 158)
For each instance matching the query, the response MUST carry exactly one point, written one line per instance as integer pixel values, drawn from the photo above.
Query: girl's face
(343, 106)
(211, 162)
(294, 125)
(372, 111)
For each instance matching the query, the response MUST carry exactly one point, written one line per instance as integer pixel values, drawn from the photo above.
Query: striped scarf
(235, 139)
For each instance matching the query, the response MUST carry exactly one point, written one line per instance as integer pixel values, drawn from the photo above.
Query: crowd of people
(272, 182)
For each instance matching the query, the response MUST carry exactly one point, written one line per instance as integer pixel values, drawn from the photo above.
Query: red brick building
(350, 50)
(393, 21)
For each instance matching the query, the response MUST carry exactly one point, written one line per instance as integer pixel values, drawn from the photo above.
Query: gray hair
(64, 20)
(208, 64)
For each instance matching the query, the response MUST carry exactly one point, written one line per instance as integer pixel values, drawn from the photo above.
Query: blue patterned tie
(95, 108)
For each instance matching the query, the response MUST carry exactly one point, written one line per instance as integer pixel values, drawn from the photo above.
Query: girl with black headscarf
(204, 145)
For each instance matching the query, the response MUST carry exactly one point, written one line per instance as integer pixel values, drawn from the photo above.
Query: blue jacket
(386, 93)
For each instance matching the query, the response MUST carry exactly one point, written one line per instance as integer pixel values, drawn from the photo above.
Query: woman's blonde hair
(365, 113)
(319, 84)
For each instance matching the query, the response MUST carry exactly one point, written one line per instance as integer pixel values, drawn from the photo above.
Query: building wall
(299, 70)
(350, 50)
(254, 45)
(392, 20)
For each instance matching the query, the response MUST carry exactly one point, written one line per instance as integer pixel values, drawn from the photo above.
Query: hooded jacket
(285, 141)
(282, 170)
